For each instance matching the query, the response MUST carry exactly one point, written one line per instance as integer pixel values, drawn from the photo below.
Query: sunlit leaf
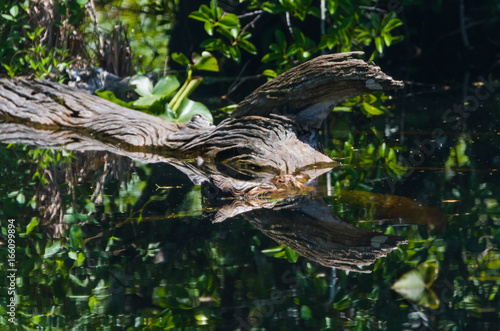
(149, 94)
(205, 61)
(33, 223)
(93, 303)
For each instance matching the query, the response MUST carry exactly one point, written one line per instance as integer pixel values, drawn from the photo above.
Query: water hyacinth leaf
(149, 94)
(166, 86)
(415, 285)
(187, 109)
(143, 85)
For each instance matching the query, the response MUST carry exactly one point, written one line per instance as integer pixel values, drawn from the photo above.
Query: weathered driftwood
(272, 132)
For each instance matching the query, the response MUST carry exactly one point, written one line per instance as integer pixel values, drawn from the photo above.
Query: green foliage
(226, 25)
(24, 49)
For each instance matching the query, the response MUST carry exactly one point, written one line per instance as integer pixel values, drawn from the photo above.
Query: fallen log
(273, 131)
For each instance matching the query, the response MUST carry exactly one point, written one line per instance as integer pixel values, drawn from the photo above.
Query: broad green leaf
(205, 61)
(415, 285)
(143, 85)
(187, 109)
(163, 89)
(166, 86)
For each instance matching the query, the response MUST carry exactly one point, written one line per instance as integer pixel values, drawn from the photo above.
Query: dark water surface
(105, 243)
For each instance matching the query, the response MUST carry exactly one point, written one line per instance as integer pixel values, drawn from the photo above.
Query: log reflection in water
(313, 230)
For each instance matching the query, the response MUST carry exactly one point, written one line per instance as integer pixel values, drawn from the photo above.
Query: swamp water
(103, 242)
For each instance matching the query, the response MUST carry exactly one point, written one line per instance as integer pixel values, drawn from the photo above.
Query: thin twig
(289, 23)
(253, 13)
(251, 24)
(381, 11)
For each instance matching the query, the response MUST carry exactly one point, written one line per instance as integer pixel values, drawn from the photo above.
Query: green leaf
(110, 96)
(229, 21)
(21, 199)
(270, 73)
(305, 313)
(166, 86)
(149, 95)
(247, 46)
(387, 38)
(415, 285)
(291, 255)
(181, 59)
(370, 110)
(33, 223)
(187, 109)
(14, 10)
(209, 28)
(7, 17)
(52, 248)
(394, 23)
(379, 45)
(199, 16)
(93, 303)
(205, 61)
(143, 85)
